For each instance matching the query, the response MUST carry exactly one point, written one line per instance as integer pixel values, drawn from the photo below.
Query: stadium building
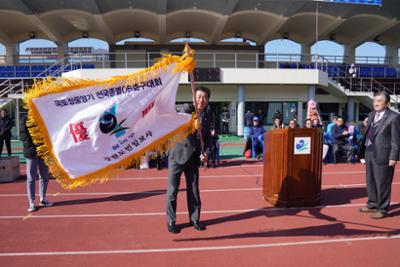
(231, 55)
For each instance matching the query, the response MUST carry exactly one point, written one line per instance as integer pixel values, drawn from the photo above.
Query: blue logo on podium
(301, 145)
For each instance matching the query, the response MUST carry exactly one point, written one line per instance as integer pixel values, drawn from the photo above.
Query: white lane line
(222, 176)
(243, 166)
(201, 177)
(209, 248)
(350, 185)
(151, 192)
(140, 214)
(159, 192)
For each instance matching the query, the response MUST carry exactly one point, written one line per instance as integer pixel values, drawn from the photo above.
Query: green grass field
(230, 147)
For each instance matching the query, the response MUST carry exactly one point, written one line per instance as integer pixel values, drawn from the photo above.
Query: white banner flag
(88, 128)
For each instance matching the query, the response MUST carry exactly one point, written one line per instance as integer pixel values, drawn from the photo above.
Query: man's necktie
(377, 117)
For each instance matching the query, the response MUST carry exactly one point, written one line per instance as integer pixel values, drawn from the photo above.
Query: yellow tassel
(197, 124)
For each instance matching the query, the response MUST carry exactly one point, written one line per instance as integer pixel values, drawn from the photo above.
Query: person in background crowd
(312, 111)
(340, 136)
(214, 156)
(261, 116)
(363, 125)
(307, 123)
(380, 150)
(278, 123)
(5, 131)
(33, 164)
(225, 117)
(293, 124)
(359, 131)
(352, 71)
(249, 118)
(257, 135)
(277, 114)
(352, 129)
(316, 123)
(329, 128)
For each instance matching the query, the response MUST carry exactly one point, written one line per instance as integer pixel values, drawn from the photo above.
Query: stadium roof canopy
(212, 20)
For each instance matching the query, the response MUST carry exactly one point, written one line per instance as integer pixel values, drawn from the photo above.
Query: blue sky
(276, 46)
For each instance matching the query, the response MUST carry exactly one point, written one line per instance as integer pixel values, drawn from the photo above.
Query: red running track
(122, 223)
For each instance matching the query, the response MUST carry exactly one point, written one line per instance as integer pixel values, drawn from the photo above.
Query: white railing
(12, 88)
(146, 57)
(373, 60)
(204, 59)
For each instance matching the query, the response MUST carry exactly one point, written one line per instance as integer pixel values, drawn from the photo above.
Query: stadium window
(287, 109)
(397, 60)
(2, 54)
(282, 46)
(370, 53)
(36, 46)
(333, 51)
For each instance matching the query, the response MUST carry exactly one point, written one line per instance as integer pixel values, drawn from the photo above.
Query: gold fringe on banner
(41, 138)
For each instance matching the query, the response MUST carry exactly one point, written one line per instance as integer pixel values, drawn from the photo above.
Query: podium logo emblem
(302, 145)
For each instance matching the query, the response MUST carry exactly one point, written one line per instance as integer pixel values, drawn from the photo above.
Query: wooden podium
(292, 167)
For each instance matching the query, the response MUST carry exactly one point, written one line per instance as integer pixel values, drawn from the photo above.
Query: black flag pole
(189, 51)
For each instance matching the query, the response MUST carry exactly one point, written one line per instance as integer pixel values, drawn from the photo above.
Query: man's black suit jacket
(386, 140)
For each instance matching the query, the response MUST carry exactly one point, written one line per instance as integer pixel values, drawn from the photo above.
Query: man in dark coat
(379, 150)
(340, 142)
(248, 117)
(186, 157)
(5, 131)
(33, 164)
(225, 117)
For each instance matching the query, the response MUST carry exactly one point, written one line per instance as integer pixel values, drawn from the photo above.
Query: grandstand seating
(376, 71)
(31, 71)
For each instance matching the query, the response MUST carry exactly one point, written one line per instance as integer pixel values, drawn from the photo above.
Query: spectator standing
(225, 117)
(329, 128)
(5, 131)
(249, 118)
(33, 165)
(261, 116)
(214, 157)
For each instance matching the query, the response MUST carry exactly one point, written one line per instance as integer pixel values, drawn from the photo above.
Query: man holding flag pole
(109, 123)
(185, 157)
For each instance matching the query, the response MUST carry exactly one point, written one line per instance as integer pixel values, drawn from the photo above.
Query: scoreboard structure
(361, 2)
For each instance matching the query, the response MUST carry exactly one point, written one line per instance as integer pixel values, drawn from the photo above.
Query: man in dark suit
(186, 157)
(380, 151)
(340, 142)
(5, 131)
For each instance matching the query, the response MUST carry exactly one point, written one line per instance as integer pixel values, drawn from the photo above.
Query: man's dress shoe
(198, 225)
(172, 228)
